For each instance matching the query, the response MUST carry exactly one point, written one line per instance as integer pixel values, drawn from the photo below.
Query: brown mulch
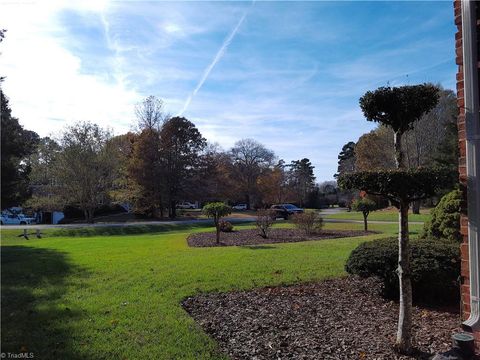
(333, 319)
(252, 237)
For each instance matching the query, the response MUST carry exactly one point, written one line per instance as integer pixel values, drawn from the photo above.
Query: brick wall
(465, 288)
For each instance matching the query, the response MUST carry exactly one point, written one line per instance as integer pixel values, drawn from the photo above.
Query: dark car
(285, 210)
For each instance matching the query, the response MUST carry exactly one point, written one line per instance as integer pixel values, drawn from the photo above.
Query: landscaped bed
(280, 235)
(334, 319)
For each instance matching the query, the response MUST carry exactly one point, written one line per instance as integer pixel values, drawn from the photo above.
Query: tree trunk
(173, 212)
(404, 332)
(399, 158)
(365, 224)
(404, 340)
(416, 207)
(251, 201)
(217, 227)
(88, 214)
(247, 201)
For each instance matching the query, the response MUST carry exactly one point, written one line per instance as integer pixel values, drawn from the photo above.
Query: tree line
(166, 160)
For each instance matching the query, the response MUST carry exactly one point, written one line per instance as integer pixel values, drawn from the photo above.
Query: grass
(118, 296)
(381, 215)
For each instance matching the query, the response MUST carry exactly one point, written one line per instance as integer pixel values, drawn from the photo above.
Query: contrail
(216, 59)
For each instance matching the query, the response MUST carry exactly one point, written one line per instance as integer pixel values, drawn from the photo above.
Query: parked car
(186, 205)
(240, 207)
(286, 210)
(15, 219)
(27, 219)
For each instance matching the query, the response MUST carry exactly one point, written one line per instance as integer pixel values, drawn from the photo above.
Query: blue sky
(288, 74)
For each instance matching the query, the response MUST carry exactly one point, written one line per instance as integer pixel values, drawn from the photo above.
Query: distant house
(467, 37)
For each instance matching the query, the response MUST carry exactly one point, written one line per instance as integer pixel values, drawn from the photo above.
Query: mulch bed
(333, 319)
(252, 237)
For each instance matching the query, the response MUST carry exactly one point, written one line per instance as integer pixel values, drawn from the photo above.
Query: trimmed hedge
(435, 268)
(445, 218)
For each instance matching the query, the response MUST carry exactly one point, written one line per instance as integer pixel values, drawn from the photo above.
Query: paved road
(331, 211)
(182, 222)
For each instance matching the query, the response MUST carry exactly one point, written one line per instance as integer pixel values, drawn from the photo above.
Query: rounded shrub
(225, 226)
(445, 218)
(435, 266)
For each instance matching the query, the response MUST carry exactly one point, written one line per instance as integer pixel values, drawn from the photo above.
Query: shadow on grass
(34, 319)
(126, 229)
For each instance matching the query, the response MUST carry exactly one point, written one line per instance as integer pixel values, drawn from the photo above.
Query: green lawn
(382, 215)
(118, 296)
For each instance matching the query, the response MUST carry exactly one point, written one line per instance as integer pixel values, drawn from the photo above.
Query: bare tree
(150, 114)
(144, 167)
(422, 143)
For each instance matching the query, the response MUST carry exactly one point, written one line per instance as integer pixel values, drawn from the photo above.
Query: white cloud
(45, 82)
(172, 28)
(292, 85)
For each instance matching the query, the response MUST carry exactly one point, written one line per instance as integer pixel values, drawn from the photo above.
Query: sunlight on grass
(119, 296)
(381, 215)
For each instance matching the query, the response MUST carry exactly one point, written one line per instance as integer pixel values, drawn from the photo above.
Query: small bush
(445, 218)
(225, 226)
(265, 220)
(365, 206)
(217, 210)
(435, 268)
(308, 222)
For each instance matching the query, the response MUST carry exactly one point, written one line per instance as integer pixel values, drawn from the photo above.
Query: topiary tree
(217, 210)
(445, 218)
(398, 108)
(364, 205)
